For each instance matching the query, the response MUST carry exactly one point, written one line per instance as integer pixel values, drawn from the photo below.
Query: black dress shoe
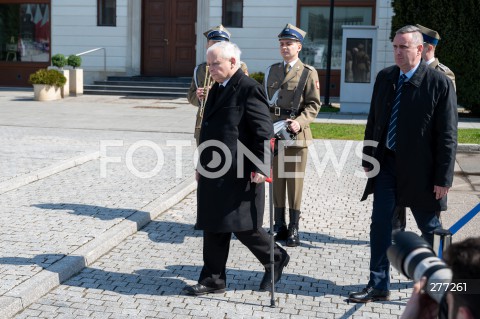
(266, 284)
(369, 294)
(199, 289)
(293, 239)
(281, 232)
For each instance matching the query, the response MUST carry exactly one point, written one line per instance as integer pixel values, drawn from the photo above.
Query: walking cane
(272, 239)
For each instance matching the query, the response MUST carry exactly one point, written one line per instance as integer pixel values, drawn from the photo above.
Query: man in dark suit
(231, 196)
(413, 119)
(430, 42)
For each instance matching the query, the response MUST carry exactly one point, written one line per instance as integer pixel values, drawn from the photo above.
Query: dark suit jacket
(426, 134)
(240, 116)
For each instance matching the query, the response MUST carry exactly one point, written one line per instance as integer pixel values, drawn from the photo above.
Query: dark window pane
(107, 12)
(314, 20)
(233, 13)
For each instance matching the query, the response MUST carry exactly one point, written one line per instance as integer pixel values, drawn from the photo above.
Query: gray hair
(228, 50)
(417, 37)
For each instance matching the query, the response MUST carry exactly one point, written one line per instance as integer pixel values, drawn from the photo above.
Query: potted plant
(59, 61)
(47, 84)
(76, 75)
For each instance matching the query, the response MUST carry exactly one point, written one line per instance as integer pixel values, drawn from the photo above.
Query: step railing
(104, 58)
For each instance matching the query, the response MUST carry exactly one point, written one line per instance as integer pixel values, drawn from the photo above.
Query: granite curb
(32, 289)
(468, 148)
(28, 178)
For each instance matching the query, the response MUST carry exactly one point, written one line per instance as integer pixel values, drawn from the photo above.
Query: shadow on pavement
(170, 281)
(43, 260)
(306, 237)
(177, 231)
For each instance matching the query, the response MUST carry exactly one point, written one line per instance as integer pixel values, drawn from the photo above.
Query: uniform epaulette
(311, 68)
(443, 67)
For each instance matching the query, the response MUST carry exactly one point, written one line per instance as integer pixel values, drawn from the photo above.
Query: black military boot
(293, 239)
(280, 227)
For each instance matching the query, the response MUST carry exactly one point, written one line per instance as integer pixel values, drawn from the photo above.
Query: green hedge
(259, 76)
(457, 23)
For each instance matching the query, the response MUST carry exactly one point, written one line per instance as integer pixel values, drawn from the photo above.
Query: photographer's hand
(420, 305)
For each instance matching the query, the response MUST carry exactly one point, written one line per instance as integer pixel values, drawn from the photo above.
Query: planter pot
(65, 90)
(42, 92)
(76, 82)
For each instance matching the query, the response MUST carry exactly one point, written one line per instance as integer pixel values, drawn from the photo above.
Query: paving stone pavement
(60, 216)
(143, 276)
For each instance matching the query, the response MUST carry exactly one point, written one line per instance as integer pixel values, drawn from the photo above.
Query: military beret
(292, 32)
(218, 33)
(429, 35)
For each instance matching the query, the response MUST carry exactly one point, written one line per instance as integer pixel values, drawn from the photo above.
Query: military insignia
(317, 85)
(443, 67)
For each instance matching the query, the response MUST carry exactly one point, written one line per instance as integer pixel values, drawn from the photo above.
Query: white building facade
(164, 38)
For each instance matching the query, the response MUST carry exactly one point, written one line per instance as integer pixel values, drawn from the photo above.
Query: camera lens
(415, 258)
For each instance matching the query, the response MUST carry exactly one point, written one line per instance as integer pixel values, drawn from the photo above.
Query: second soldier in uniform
(430, 42)
(293, 91)
(196, 93)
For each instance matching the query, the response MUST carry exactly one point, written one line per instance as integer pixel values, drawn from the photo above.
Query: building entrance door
(168, 37)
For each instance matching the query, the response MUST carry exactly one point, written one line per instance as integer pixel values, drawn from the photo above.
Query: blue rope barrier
(465, 219)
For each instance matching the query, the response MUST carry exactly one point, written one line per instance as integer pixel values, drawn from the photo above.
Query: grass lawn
(329, 109)
(355, 132)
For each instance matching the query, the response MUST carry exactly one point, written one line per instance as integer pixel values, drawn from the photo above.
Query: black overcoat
(426, 134)
(230, 202)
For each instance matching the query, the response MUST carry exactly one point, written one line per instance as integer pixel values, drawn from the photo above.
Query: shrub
(259, 76)
(59, 60)
(48, 77)
(74, 61)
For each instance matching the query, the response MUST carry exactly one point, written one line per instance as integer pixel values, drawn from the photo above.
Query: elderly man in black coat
(233, 163)
(409, 151)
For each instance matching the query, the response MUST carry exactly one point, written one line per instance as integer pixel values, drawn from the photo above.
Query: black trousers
(215, 254)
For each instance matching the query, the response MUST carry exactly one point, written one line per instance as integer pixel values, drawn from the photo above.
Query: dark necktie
(392, 127)
(287, 68)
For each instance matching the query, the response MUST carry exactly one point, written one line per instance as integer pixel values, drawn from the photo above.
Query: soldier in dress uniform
(430, 39)
(293, 91)
(196, 93)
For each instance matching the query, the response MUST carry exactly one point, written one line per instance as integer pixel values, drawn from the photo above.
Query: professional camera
(415, 258)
